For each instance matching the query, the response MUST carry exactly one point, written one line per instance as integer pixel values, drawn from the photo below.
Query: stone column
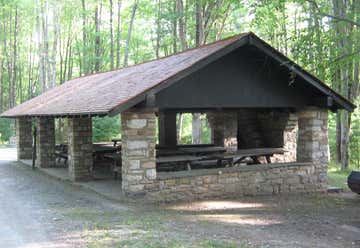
(231, 130)
(216, 122)
(279, 129)
(290, 137)
(24, 138)
(138, 150)
(167, 129)
(45, 142)
(224, 128)
(313, 145)
(80, 156)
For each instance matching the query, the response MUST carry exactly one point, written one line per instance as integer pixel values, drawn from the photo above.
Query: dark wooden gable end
(251, 76)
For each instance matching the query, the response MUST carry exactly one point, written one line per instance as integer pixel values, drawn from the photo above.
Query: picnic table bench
(199, 151)
(61, 152)
(177, 159)
(255, 153)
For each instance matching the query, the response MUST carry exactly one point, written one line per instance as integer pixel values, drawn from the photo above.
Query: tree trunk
(196, 128)
(128, 38)
(111, 36)
(97, 38)
(180, 126)
(158, 30)
(14, 66)
(52, 81)
(84, 36)
(182, 35)
(174, 30)
(118, 35)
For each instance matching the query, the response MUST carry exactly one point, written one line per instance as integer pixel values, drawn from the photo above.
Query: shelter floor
(103, 182)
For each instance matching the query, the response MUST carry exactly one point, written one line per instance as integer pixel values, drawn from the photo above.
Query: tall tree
(111, 36)
(130, 29)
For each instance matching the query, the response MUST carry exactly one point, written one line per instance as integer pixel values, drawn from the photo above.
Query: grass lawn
(338, 177)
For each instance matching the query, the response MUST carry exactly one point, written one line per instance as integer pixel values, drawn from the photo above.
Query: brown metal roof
(114, 91)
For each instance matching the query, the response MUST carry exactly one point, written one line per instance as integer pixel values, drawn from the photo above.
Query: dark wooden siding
(244, 78)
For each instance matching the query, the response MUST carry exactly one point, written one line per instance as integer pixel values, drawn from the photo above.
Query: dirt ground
(38, 211)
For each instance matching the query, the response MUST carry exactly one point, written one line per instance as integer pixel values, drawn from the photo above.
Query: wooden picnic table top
(177, 159)
(258, 152)
(194, 151)
(169, 152)
(203, 150)
(104, 148)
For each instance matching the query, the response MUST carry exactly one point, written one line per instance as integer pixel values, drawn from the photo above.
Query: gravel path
(39, 211)
(30, 204)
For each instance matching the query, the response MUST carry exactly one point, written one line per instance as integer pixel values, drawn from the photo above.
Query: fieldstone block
(24, 138)
(80, 148)
(45, 142)
(138, 151)
(136, 123)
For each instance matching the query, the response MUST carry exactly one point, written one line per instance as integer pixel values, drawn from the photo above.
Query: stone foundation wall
(80, 157)
(45, 142)
(265, 179)
(24, 138)
(138, 151)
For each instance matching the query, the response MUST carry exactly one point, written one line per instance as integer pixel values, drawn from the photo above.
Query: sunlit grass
(338, 177)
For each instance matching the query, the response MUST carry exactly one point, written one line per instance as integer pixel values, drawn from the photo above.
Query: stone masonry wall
(313, 144)
(279, 129)
(265, 179)
(24, 138)
(45, 142)
(224, 128)
(80, 148)
(138, 151)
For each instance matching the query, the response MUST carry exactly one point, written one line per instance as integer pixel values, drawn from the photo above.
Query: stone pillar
(231, 130)
(216, 122)
(24, 138)
(80, 158)
(224, 128)
(279, 129)
(313, 145)
(167, 129)
(290, 137)
(45, 142)
(138, 150)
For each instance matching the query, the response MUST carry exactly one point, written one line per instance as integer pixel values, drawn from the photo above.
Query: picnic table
(178, 159)
(256, 153)
(230, 159)
(100, 148)
(115, 141)
(199, 151)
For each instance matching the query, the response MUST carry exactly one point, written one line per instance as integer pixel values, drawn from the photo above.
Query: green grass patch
(338, 177)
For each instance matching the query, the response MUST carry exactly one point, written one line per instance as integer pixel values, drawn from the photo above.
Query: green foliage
(106, 128)
(299, 29)
(6, 130)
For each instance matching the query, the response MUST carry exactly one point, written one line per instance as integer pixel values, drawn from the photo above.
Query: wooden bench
(61, 152)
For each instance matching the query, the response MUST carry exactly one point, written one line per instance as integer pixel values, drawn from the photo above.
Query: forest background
(44, 43)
